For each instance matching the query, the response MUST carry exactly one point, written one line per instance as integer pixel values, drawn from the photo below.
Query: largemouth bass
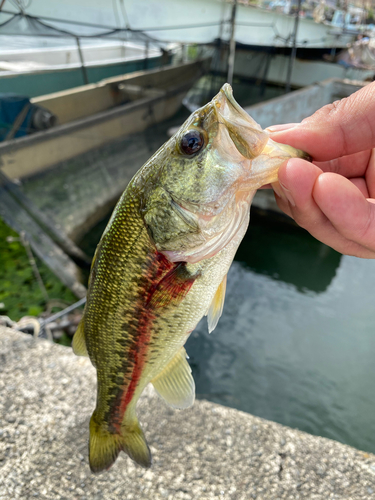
(161, 265)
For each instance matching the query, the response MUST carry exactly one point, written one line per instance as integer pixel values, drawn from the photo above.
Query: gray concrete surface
(209, 451)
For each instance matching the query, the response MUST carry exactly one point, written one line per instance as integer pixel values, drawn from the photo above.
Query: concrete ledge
(209, 451)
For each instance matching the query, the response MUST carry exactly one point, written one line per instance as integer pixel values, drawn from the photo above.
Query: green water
(296, 341)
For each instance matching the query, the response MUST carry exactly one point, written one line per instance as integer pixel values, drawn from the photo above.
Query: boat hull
(121, 106)
(47, 81)
(271, 66)
(305, 72)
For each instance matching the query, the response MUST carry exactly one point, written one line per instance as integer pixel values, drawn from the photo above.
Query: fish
(162, 264)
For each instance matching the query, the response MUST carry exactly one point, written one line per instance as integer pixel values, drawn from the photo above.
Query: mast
(232, 44)
(294, 49)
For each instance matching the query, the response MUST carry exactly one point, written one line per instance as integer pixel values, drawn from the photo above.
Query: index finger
(339, 129)
(349, 166)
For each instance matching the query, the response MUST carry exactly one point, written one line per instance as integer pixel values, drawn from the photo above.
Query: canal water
(296, 342)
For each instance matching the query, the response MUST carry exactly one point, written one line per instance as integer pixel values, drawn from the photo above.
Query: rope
(39, 325)
(65, 311)
(55, 32)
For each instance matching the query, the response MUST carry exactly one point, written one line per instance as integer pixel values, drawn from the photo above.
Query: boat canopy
(27, 25)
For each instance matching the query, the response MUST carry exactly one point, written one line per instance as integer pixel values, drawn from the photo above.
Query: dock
(207, 452)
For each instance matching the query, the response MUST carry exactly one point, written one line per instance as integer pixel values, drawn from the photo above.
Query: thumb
(339, 129)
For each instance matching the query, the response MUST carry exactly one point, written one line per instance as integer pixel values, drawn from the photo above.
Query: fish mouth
(227, 93)
(227, 107)
(247, 136)
(252, 141)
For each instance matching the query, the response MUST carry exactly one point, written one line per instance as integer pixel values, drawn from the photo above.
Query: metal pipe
(294, 49)
(65, 311)
(232, 44)
(83, 68)
(145, 64)
(265, 73)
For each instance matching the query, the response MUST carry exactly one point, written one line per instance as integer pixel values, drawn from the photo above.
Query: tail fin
(105, 447)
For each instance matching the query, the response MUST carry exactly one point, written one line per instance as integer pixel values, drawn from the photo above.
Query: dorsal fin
(216, 308)
(175, 384)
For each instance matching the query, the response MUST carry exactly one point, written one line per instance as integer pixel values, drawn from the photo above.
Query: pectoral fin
(216, 308)
(175, 384)
(173, 287)
(79, 342)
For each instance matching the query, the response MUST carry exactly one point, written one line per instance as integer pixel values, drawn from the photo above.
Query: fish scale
(161, 265)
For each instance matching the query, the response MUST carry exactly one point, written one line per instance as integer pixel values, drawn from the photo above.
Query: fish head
(209, 172)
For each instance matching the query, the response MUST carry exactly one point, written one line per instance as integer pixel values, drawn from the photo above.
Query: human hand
(334, 197)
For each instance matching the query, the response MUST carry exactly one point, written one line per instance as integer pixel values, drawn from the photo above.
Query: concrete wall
(205, 452)
(297, 105)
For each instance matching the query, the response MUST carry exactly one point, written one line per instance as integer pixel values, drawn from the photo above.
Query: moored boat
(91, 118)
(93, 115)
(264, 36)
(39, 58)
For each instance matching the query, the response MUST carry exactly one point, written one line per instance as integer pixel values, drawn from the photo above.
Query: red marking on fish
(161, 283)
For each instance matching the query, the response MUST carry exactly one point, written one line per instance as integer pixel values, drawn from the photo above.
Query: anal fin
(175, 384)
(79, 342)
(216, 308)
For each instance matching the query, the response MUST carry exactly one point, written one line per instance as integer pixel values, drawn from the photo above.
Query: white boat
(38, 58)
(264, 37)
(94, 53)
(196, 21)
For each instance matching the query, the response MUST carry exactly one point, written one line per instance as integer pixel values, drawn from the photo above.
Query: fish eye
(192, 142)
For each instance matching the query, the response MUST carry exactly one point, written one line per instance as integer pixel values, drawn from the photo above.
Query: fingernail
(279, 192)
(288, 194)
(277, 189)
(280, 128)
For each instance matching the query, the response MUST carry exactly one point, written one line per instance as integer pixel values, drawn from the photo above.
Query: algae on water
(20, 294)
